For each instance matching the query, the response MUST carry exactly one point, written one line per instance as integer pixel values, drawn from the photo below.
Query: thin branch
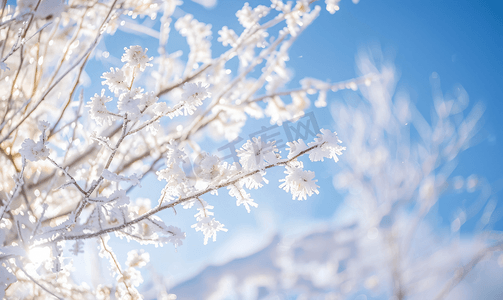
(19, 183)
(184, 80)
(179, 201)
(19, 265)
(116, 265)
(72, 180)
(461, 273)
(336, 86)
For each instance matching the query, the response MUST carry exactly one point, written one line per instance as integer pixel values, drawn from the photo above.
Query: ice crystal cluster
(72, 153)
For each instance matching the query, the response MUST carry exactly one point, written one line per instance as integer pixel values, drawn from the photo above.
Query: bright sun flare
(38, 255)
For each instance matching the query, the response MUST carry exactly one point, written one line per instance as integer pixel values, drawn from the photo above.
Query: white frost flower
(248, 17)
(332, 5)
(276, 110)
(175, 178)
(245, 16)
(228, 37)
(256, 153)
(209, 227)
(34, 151)
(120, 198)
(197, 34)
(99, 111)
(129, 101)
(135, 57)
(116, 80)
(147, 100)
(207, 167)
(206, 224)
(174, 153)
(300, 183)
(296, 147)
(242, 197)
(110, 176)
(43, 125)
(193, 95)
(177, 236)
(329, 146)
(133, 277)
(137, 259)
(255, 181)
(294, 18)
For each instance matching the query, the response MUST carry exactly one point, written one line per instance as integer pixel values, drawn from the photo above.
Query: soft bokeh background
(461, 41)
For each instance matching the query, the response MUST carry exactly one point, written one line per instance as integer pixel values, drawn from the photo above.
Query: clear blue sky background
(460, 40)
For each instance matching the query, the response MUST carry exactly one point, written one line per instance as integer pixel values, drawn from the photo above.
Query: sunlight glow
(39, 255)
